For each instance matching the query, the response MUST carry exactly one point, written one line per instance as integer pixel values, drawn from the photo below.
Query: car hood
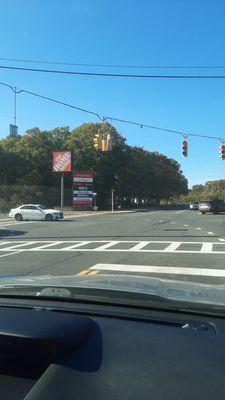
(165, 288)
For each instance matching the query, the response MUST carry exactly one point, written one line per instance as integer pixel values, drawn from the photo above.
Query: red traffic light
(222, 152)
(184, 148)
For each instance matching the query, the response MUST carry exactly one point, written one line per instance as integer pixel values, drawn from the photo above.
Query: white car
(35, 212)
(194, 205)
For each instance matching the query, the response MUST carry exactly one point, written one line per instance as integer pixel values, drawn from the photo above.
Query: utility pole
(5, 181)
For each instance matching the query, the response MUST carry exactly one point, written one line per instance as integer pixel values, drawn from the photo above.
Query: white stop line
(159, 270)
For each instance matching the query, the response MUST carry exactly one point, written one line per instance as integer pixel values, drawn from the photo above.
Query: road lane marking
(4, 243)
(132, 246)
(172, 247)
(222, 240)
(44, 246)
(139, 246)
(186, 225)
(161, 220)
(160, 270)
(84, 272)
(10, 254)
(73, 246)
(15, 246)
(179, 212)
(18, 223)
(200, 229)
(106, 246)
(94, 272)
(210, 233)
(172, 222)
(206, 248)
(125, 251)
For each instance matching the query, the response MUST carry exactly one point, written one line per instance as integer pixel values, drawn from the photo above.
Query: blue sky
(146, 32)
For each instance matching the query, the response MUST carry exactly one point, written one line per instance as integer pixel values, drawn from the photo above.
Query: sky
(160, 33)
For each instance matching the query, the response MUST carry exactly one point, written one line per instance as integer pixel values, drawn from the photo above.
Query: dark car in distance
(214, 206)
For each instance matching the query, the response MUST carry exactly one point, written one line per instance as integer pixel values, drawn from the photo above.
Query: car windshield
(111, 139)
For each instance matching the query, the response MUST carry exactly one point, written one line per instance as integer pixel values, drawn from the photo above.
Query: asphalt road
(171, 244)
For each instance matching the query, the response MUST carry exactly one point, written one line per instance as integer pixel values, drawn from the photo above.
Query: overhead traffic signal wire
(61, 102)
(113, 65)
(142, 125)
(112, 75)
(105, 118)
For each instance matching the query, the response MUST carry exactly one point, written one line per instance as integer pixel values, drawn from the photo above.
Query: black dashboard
(57, 351)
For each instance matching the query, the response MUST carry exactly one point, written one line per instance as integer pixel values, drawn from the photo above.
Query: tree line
(209, 191)
(138, 177)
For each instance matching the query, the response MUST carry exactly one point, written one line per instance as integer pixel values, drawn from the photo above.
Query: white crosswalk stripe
(172, 247)
(135, 246)
(207, 248)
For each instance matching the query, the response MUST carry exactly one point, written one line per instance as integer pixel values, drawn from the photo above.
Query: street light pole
(14, 112)
(112, 200)
(14, 90)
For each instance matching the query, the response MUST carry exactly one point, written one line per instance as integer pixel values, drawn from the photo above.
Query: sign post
(82, 190)
(112, 192)
(61, 163)
(62, 190)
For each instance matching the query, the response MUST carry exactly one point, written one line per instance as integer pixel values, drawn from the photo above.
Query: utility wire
(142, 125)
(62, 103)
(110, 118)
(114, 65)
(105, 74)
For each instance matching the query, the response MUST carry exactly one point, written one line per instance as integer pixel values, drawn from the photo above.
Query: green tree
(136, 175)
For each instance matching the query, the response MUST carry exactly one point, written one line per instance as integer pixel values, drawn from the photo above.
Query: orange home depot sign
(61, 161)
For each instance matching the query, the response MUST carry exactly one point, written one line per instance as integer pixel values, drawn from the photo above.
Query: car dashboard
(55, 350)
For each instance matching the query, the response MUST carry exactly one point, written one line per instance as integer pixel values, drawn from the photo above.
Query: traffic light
(104, 143)
(222, 152)
(184, 148)
(107, 142)
(98, 141)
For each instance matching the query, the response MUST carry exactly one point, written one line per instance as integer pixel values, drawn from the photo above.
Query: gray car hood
(168, 289)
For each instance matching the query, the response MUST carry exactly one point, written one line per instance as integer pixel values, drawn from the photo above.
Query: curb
(70, 215)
